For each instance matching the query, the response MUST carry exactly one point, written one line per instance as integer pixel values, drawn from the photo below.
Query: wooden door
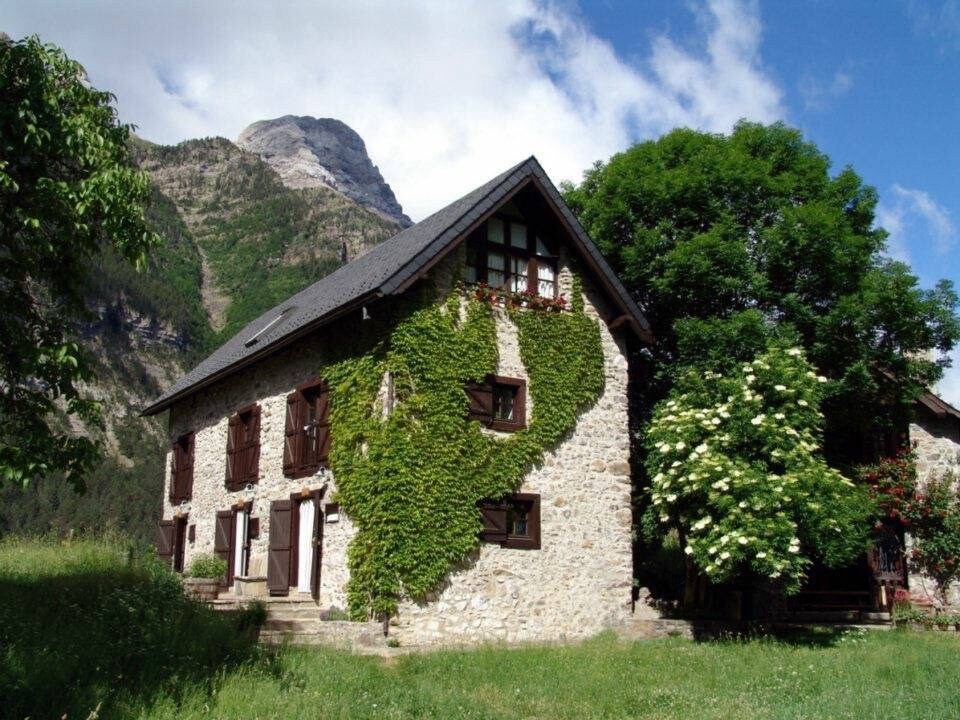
(281, 543)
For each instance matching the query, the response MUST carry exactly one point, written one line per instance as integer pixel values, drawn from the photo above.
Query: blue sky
(446, 94)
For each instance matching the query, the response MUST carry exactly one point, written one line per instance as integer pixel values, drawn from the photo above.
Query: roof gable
(389, 269)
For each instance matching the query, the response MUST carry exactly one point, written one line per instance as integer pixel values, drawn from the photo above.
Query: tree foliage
(66, 190)
(728, 241)
(736, 468)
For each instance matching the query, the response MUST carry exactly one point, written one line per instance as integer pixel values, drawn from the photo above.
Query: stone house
(249, 474)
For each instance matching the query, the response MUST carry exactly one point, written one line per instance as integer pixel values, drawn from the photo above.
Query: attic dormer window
(273, 323)
(508, 254)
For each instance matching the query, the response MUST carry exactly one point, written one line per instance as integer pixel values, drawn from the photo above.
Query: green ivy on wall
(410, 480)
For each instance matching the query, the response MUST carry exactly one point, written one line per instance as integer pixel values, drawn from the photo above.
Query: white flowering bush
(736, 467)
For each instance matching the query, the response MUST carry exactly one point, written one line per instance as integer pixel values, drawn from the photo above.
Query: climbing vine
(410, 480)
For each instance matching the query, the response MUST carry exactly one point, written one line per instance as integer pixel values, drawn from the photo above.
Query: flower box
(205, 589)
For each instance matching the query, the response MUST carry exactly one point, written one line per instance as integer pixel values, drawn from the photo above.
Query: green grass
(82, 625)
(90, 624)
(851, 677)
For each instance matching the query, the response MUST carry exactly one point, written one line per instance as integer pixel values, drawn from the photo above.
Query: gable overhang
(532, 175)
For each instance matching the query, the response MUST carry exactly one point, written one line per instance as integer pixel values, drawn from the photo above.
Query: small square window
(499, 403)
(513, 521)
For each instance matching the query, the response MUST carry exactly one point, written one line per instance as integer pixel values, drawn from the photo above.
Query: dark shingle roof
(938, 406)
(386, 269)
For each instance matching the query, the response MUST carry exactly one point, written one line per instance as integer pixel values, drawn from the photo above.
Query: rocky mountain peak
(313, 152)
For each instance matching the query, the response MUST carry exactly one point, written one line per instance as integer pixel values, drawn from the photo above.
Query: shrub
(892, 483)
(935, 526)
(736, 467)
(253, 615)
(207, 566)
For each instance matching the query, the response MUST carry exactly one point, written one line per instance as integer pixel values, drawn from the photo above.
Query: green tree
(728, 241)
(67, 190)
(736, 468)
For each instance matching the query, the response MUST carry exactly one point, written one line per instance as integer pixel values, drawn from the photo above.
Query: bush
(935, 526)
(253, 615)
(207, 566)
(736, 469)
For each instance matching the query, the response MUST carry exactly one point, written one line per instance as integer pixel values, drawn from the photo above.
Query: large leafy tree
(67, 191)
(728, 241)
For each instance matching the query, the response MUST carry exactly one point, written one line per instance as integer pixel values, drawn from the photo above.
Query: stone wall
(579, 581)
(936, 442)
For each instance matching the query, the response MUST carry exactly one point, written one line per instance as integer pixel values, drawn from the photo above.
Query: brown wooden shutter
(165, 540)
(292, 432)
(223, 542)
(481, 401)
(493, 513)
(323, 425)
(173, 473)
(188, 480)
(233, 436)
(281, 542)
(252, 470)
(181, 471)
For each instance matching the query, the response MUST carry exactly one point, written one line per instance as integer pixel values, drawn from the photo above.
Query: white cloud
(938, 21)
(819, 95)
(444, 94)
(912, 215)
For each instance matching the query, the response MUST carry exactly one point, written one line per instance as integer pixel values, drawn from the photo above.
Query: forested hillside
(235, 241)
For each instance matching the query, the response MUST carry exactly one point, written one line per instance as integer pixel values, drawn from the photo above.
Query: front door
(305, 546)
(309, 547)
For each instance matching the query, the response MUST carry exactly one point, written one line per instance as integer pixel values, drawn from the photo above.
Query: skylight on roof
(256, 336)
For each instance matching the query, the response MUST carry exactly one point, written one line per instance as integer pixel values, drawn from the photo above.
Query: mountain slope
(261, 240)
(235, 242)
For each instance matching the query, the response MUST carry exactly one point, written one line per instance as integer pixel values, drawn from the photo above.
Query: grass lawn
(92, 625)
(854, 676)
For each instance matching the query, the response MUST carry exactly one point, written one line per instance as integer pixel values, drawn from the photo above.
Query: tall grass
(101, 623)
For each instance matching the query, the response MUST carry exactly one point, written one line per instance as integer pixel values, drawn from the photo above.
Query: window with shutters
(507, 253)
(181, 468)
(307, 432)
(499, 402)
(513, 521)
(243, 448)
